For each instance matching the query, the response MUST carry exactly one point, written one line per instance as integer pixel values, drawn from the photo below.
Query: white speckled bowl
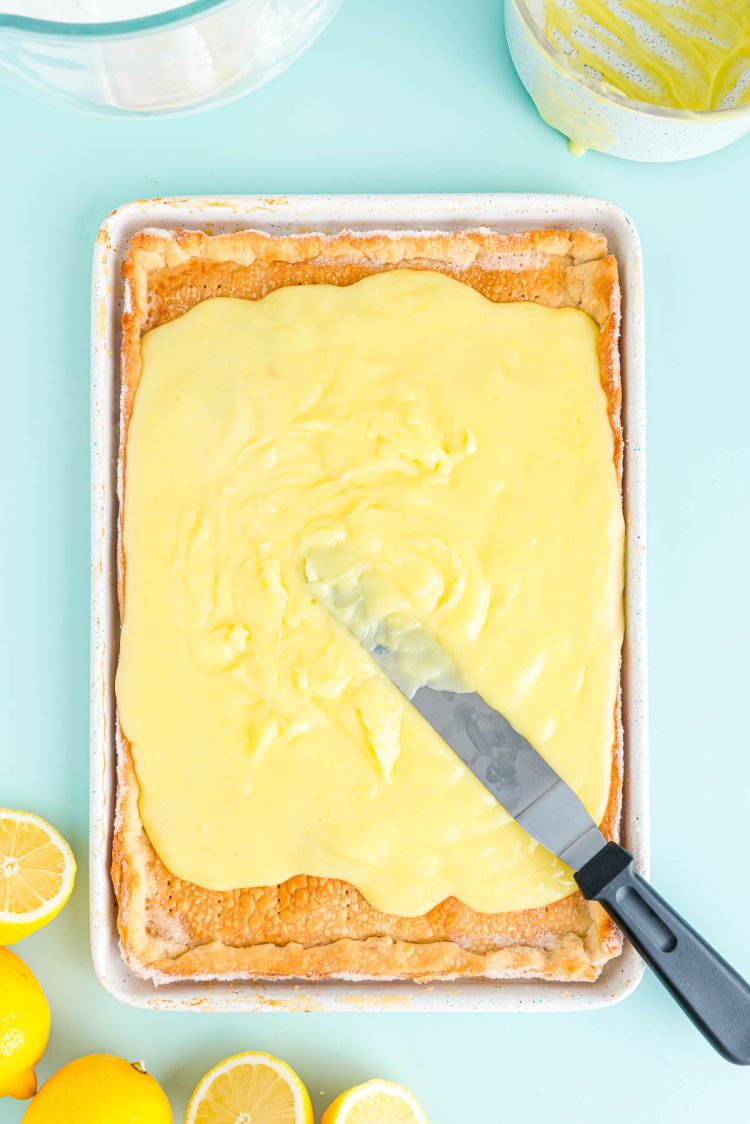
(592, 115)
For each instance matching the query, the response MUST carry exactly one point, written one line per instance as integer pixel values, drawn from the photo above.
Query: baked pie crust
(316, 928)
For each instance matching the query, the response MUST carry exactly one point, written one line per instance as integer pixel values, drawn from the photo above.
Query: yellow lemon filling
(681, 54)
(461, 450)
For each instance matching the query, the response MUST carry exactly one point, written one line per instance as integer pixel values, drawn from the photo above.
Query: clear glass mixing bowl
(193, 56)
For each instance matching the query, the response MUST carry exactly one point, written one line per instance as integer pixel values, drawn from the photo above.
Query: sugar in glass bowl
(152, 56)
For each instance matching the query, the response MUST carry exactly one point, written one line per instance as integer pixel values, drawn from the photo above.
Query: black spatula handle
(709, 991)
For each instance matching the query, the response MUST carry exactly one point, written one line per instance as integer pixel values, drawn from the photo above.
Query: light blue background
(396, 96)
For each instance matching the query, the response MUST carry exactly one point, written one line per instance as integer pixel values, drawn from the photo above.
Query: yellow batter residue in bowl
(462, 450)
(680, 54)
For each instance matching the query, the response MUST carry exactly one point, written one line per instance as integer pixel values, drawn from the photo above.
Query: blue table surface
(395, 97)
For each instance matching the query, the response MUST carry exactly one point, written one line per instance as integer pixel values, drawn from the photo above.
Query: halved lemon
(252, 1087)
(37, 872)
(375, 1102)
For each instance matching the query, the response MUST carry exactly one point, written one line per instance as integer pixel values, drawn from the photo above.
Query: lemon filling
(681, 54)
(461, 449)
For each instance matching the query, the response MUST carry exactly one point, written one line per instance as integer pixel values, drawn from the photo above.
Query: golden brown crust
(316, 928)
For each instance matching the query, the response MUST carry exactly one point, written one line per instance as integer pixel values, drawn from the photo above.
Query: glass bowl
(193, 56)
(593, 115)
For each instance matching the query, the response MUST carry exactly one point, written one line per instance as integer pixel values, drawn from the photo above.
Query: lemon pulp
(250, 1086)
(37, 873)
(375, 1102)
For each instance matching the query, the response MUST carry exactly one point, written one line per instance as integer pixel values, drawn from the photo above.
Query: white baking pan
(503, 213)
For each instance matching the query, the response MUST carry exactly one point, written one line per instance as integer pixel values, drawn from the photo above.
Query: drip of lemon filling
(682, 54)
(459, 448)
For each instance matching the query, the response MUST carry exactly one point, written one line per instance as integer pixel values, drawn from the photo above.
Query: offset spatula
(709, 991)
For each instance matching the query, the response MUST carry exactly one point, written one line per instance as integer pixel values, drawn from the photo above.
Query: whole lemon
(24, 1026)
(100, 1089)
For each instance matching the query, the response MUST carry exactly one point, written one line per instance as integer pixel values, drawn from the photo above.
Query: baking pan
(329, 213)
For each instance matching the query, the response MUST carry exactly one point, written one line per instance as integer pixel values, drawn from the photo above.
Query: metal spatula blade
(514, 772)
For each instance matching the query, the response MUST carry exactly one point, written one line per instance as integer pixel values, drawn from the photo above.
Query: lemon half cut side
(250, 1087)
(37, 872)
(375, 1102)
